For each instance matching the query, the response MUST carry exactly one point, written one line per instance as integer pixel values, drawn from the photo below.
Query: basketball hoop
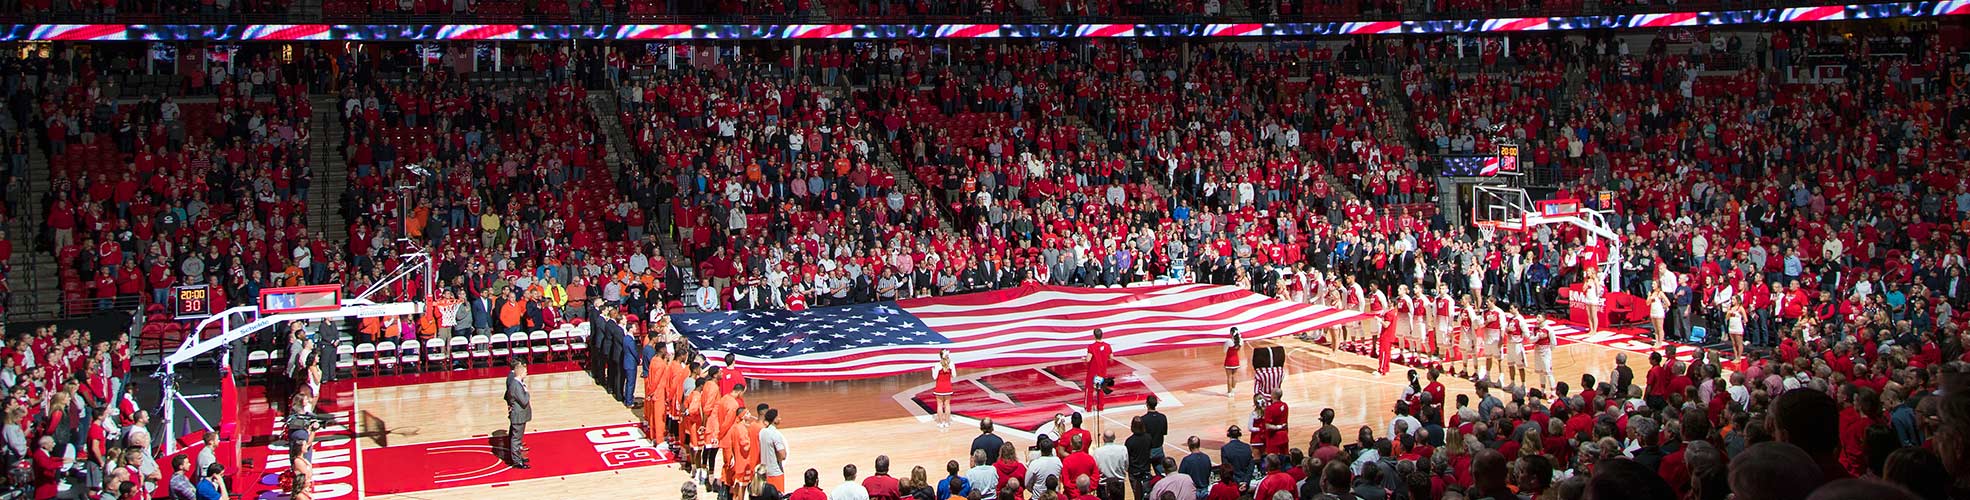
(1487, 229)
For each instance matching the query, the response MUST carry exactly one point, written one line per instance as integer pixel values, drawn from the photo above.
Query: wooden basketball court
(830, 424)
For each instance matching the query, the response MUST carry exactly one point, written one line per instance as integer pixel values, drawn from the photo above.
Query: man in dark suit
(519, 410)
(590, 316)
(616, 345)
(673, 281)
(631, 356)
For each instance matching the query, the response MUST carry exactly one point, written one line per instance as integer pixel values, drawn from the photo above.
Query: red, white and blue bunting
(394, 32)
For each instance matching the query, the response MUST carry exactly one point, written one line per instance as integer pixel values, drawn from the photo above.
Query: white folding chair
(460, 349)
(557, 343)
(481, 348)
(345, 359)
(386, 355)
(256, 363)
(500, 347)
(580, 341)
(409, 355)
(538, 341)
(517, 346)
(365, 358)
(434, 353)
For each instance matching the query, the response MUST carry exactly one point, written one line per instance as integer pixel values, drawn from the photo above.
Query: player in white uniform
(1358, 301)
(1470, 334)
(1491, 346)
(1516, 331)
(1542, 343)
(1377, 302)
(1426, 323)
(1405, 323)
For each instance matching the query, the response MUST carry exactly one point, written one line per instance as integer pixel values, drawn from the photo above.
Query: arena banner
(551, 32)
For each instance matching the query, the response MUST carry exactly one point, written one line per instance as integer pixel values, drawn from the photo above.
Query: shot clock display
(193, 301)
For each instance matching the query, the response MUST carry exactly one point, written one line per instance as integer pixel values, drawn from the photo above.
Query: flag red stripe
(1024, 326)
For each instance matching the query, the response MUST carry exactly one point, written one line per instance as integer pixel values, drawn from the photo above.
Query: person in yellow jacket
(556, 295)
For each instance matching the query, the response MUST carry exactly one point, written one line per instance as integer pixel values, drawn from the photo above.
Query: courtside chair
(409, 355)
(517, 347)
(501, 347)
(579, 341)
(538, 341)
(345, 359)
(460, 350)
(386, 355)
(557, 343)
(434, 354)
(481, 348)
(365, 358)
(256, 363)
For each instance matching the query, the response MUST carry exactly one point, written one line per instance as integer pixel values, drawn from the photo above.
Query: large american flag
(1030, 324)
(1472, 166)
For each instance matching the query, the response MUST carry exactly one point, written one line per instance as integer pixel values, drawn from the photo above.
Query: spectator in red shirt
(1658, 384)
(1863, 404)
(47, 468)
(1078, 464)
(810, 488)
(881, 486)
(1276, 478)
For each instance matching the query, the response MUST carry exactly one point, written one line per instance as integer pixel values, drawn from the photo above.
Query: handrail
(65, 308)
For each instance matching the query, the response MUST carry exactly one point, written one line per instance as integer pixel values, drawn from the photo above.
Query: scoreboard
(192, 301)
(299, 299)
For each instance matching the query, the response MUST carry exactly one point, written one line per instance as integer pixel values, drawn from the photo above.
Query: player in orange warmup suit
(654, 404)
(741, 445)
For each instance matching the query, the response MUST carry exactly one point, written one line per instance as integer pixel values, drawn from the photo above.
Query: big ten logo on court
(624, 445)
(334, 466)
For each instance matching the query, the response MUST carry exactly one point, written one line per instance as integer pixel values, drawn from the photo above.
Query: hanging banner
(413, 32)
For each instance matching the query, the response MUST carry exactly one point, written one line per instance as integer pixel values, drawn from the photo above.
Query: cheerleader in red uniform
(943, 372)
(1232, 348)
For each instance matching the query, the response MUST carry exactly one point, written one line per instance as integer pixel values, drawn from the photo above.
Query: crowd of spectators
(70, 420)
(146, 192)
(1850, 316)
(1681, 430)
(503, 185)
(1815, 221)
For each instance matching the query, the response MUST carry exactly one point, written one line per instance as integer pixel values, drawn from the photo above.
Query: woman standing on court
(1658, 309)
(943, 372)
(1734, 326)
(1590, 296)
(1233, 346)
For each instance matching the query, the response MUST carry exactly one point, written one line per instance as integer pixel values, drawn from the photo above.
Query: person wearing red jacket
(47, 468)
(810, 488)
(1855, 418)
(1076, 465)
(1276, 478)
